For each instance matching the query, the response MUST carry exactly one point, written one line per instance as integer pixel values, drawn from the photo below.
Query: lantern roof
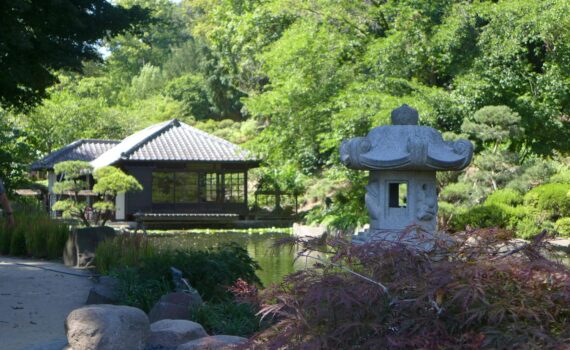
(405, 145)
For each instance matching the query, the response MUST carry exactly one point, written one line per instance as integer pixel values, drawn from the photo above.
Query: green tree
(71, 180)
(494, 126)
(190, 90)
(38, 37)
(152, 44)
(16, 154)
(109, 182)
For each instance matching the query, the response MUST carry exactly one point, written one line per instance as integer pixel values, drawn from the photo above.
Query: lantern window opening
(397, 194)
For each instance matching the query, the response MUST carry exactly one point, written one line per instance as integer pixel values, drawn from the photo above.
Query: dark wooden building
(185, 173)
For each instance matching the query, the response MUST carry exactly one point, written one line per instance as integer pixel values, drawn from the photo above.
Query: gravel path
(34, 302)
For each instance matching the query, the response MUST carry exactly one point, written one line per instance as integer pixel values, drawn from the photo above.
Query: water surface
(275, 263)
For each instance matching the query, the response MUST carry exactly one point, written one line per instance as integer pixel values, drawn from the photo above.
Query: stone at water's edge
(86, 241)
(174, 306)
(80, 246)
(215, 342)
(107, 327)
(308, 231)
(69, 251)
(172, 333)
(562, 244)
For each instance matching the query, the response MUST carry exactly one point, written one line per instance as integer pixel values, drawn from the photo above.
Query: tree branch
(384, 288)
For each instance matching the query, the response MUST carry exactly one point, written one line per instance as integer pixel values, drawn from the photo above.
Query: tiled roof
(173, 141)
(86, 150)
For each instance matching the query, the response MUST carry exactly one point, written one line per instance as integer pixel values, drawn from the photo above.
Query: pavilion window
(185, 187)
(162, 187)
(210, 187)
(174, 187)
(234, 187)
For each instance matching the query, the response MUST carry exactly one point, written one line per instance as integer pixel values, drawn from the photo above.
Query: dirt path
(34, 302)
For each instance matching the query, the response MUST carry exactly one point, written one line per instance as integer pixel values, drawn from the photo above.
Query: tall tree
(40, 36)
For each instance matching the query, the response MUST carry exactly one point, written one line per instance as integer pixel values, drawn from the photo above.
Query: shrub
(506, 196)
(562, 226)
(228, 317)
(551, 198)
(516, 214)
(527, 228)
(135, 289)
(210, 271)
(35, 234)
(534, 171)
(563, 176)
(481, 216)
(18, 242)
(458, 192)
(448, 212)
(122, 251)
(481, 296)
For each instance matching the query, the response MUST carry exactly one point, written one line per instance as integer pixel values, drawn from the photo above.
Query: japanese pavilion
(187, 174)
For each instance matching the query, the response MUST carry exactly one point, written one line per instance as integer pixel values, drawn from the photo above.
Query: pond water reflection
(275, 263)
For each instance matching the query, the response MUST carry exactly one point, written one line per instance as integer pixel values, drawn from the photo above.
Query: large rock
(171, 333)
(107, 327)
(174, 306)
(215, 342)
(104, 292)
(83, 242)
(69, 251)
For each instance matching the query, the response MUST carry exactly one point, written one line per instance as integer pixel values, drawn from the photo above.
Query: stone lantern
(403, 158)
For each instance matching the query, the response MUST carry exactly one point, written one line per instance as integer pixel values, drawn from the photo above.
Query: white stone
(171, 333)
(107, 327)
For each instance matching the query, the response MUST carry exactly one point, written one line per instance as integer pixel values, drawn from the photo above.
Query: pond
(275, 263)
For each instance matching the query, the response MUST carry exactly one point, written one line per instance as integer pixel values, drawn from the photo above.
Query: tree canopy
(38, 37)
(291, 79)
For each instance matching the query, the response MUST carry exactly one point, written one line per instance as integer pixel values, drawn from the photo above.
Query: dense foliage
(218, 274)
(475, 291)
(35, 234)
(210, 271)
(38, 37)
(543, 207)
(291, 79)
(228, 317)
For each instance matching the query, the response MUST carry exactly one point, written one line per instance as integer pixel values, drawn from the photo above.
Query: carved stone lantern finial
(402, 159)
(405, 115)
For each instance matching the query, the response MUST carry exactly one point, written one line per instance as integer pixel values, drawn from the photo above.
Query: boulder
(104, 292)
(171, 333)
(215, 342)
(86, 241)
(69, 251)
(80, 246)
(107, 327)
(174, 306)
